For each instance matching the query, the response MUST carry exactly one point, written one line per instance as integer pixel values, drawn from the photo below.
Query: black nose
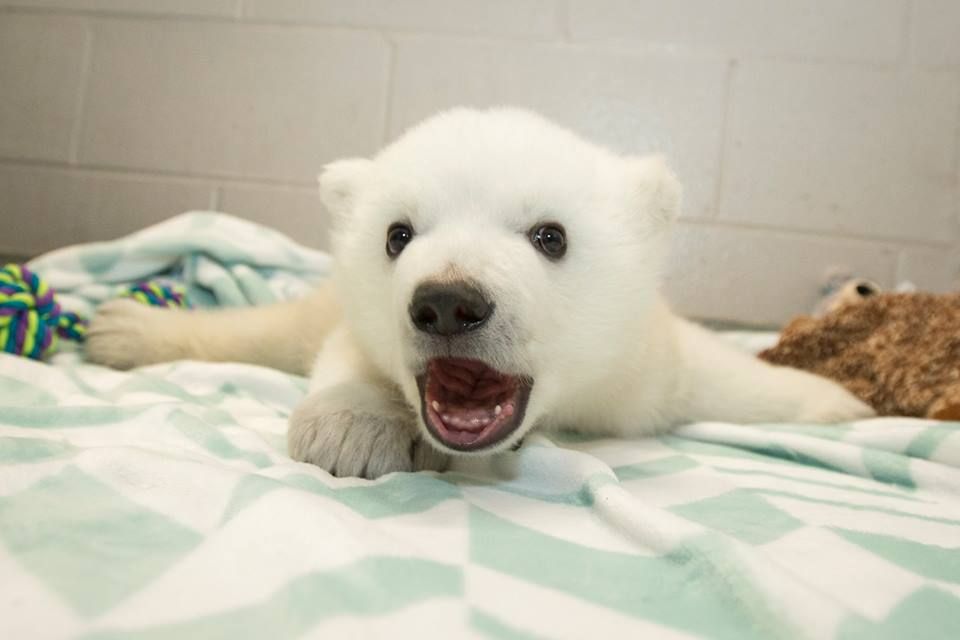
(449, 309)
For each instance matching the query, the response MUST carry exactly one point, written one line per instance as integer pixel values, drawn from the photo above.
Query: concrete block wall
(811, 135)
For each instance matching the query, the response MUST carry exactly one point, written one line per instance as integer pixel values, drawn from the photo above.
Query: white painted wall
(810, 134)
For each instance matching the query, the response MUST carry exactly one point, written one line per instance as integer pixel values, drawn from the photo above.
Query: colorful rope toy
(157, 295)
(31, 320)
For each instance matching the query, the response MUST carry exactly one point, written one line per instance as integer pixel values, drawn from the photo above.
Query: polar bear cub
(494, 274)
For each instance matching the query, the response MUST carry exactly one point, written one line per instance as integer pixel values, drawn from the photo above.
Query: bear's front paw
(362, 441)
(123, 335)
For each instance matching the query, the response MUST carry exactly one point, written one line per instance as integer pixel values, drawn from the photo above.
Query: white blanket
(160, 504)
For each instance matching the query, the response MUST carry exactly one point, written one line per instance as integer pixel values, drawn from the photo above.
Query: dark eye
(550, 239)
(398, 235)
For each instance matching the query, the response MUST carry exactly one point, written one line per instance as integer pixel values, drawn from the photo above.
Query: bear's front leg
(359, 429)
(355, 423)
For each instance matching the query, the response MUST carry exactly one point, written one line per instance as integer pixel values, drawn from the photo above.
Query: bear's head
(490, 263)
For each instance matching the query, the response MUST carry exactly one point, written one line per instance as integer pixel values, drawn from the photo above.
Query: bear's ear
(340, 182)
(653, 190)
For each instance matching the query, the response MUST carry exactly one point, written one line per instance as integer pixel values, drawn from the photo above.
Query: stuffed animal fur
(899, 352)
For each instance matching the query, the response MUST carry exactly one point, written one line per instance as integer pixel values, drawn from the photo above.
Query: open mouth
(468, 405)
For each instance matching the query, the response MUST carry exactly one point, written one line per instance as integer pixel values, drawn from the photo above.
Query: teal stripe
(783, 452)
(247, 491)
(60, 417)
(135, 382)
(857, 507)
(908, 497)
(891, 468)
(928, 560)
(928, 613)
(700, 588)
(394, 495)
(211, 439)
(397, 494)
(14, 391)
(926, 442)
(742, 514)
(654, 468)
(87, 542)
(767, 452)
(694, 448)
(583, 496)
(82, 385)
(22, 450)
(370, 587)
(835, 432)
(490, 627)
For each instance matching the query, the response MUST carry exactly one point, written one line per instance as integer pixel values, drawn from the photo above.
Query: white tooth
(475, 421)
(497, 409)
(435, 405)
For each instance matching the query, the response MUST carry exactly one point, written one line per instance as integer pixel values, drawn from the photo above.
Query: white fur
(604, 351)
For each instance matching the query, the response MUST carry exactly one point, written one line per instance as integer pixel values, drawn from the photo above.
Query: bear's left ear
(340, 182)
(653, 190)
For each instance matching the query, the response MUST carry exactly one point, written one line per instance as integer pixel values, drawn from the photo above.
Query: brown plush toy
(899, 352)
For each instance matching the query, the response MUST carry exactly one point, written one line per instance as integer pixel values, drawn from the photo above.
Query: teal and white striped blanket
(160, 504)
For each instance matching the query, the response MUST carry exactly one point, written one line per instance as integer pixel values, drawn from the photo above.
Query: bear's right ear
(653, 189)
(340, 182)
